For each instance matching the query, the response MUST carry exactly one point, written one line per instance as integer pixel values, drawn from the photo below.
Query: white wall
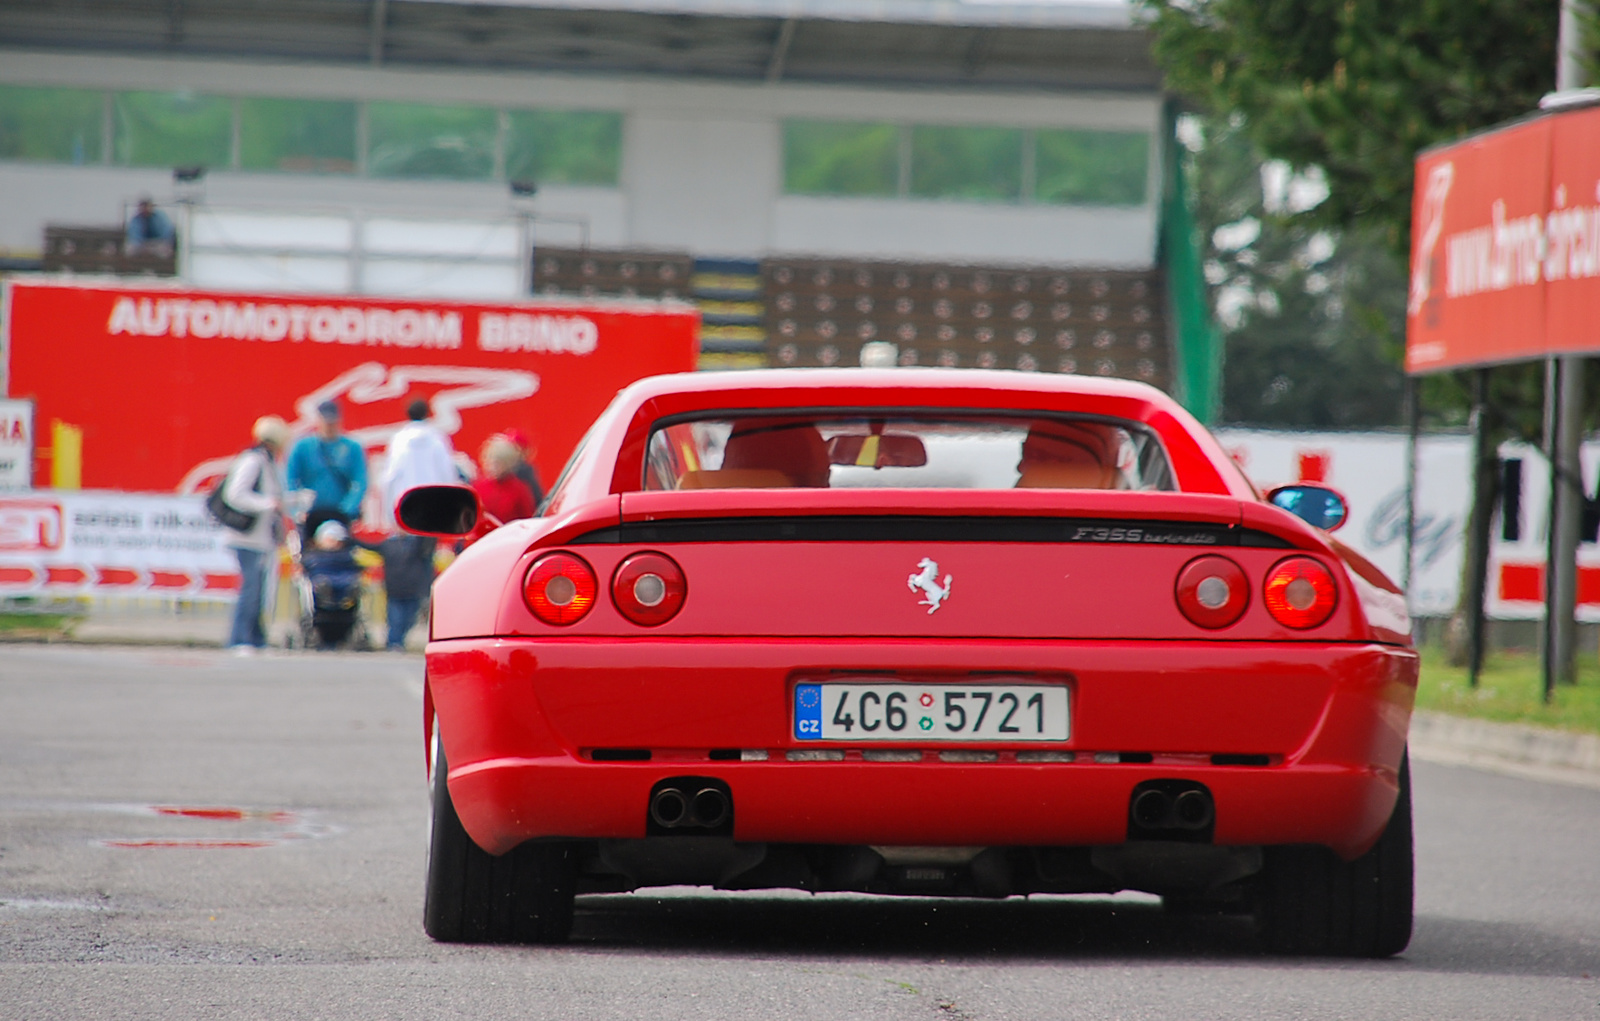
(965, 231)
(702, 164)
(701, 182)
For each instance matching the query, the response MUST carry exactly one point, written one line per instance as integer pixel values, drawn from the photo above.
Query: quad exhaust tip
(669, 808)
(709, 808)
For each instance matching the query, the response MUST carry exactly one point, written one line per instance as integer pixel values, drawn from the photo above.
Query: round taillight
(1300, 593)
(559, 588)
(648, 588)
(1212, 591)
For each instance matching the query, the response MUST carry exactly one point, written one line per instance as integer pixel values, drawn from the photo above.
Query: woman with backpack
(253, 490)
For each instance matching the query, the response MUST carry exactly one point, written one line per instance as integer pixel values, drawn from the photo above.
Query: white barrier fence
(97, 543)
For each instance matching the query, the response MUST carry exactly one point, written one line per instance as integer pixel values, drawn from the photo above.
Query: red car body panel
(1332, 720)
(1298, 734)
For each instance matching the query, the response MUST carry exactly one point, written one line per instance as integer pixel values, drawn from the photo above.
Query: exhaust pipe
(1193, 809)
(1171, 809)
(669, 808)
(690, 805)
(1151, 809)
(709, 808)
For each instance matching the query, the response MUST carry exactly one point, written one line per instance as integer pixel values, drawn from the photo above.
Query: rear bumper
(520, 720)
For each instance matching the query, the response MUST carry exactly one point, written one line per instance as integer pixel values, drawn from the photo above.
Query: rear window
(901, 451)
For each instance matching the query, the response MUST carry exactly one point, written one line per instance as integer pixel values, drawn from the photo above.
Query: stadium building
(977, 183)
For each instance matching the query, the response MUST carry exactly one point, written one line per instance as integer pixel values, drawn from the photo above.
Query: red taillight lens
(648, 588)
(559, 588)
(1300, 593)
(1212, 591)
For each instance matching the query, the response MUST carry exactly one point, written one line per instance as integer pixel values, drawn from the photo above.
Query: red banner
(165, 383)
(1505, 246)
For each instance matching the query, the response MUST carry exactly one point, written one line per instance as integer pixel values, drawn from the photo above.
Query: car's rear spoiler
(868, 514)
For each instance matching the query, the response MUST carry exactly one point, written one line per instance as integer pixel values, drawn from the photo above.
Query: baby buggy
(327, 583)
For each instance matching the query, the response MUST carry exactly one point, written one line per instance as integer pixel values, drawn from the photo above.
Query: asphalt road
(306, 901)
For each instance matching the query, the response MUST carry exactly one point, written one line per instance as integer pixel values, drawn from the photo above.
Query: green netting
(1197, 348)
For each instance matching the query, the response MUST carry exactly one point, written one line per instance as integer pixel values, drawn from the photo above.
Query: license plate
(928, 713)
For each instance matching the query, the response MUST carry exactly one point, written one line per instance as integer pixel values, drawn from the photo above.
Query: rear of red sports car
(917, 633)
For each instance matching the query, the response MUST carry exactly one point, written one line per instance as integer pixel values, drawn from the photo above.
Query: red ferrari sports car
(916, 631)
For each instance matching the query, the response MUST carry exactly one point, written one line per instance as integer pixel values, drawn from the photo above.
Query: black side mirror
(448, 512)
(1318, 506)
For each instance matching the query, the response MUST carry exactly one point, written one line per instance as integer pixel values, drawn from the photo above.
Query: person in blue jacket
(149, 231)
(333, 466)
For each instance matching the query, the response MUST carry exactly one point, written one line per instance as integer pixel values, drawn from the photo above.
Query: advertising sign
(60, 542)
(165, 383)
(1370, 470)
(16, 444)
(1521, 539)
(1505, 245)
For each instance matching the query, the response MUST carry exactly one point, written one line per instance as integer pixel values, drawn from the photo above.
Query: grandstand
(980, 183)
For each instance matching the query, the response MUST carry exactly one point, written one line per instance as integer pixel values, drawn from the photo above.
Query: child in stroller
(329, 586)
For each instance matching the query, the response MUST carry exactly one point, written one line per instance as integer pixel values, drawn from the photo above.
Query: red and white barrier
(70, 543)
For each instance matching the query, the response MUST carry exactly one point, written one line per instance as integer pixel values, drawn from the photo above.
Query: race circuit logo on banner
(206, 364)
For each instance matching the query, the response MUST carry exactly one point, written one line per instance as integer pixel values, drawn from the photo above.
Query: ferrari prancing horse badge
(926, 581)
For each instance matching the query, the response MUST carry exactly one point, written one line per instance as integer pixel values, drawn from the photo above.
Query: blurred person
(333, 466)
(525, 469)
(254, 487)
(419, 455)
(330, 549)
(334, 577)
(500, 491)
(407, 580)
(149, 231)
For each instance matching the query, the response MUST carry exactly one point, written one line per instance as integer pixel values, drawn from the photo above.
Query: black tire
(522, 896)
(1314, 903)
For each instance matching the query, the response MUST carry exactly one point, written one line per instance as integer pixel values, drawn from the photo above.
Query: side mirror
(1318, 506)
(888, 450)
(447, 512)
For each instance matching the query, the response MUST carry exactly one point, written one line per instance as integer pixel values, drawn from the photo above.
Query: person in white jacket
(419, 455)
(254, 486)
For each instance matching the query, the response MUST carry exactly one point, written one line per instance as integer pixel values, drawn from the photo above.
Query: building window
(51, 125)
(297, 135)
(976, 164)
(564, 146)
(840, 158)
(1092, 168)
(166, 129)
(972, 164)
(418, 140)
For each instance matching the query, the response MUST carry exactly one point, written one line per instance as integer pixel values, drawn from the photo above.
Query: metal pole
(1547, 445)
(1567, 503)
(1569, 48)
(1413, 403)
(1563, 412)
(1484, 481)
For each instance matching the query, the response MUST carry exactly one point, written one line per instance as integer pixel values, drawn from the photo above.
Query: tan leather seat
(1054, 475)
(735, 478)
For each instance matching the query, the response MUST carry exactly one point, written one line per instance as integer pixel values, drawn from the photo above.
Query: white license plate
(927, 713)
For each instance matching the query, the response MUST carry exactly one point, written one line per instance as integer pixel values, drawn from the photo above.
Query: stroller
(327, 582)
